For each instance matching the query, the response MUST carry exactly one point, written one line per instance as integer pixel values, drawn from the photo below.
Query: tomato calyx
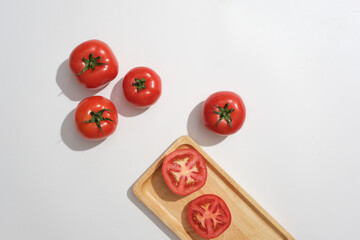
(96, 117)
(224, 113)
(91, 63)
(139, 84)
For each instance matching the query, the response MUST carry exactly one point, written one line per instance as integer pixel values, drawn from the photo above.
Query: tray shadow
(131, 196)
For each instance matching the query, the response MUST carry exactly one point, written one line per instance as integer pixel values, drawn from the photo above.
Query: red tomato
(96, 117)
(94, 64)
(142, 87)
(223, 113)
(184, 171)
(209, 215)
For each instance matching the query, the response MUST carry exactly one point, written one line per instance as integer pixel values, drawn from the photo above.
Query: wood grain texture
(249, 220)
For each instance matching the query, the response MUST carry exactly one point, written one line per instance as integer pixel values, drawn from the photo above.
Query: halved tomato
(184, 171)
(209, 215)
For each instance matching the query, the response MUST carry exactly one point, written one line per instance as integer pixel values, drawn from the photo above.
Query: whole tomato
(223, 112)
(142, 87)
(94, 64)
(96, 117)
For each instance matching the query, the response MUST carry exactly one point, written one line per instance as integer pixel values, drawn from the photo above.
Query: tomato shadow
(69, 85)
(198, 132)
(131, 196)
(72, 138)
(123, 107)
(187, 226)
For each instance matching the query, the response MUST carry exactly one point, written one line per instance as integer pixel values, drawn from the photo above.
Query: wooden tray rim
(241, 192)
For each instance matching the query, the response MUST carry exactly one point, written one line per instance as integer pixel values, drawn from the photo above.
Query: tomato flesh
(209, 215)
(184, 171)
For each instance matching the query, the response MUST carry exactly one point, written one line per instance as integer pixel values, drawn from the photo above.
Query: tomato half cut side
(184, 171)
(209, 215)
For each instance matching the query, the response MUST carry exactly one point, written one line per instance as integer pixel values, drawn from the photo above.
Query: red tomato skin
(145, 97)
(201, 165)
(216, 199)
(102, 75)
(210, 119)
(90, 130)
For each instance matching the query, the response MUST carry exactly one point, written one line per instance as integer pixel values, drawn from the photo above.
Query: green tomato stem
(96, 117)
(139, 84)
(91, 63)
(224, 113)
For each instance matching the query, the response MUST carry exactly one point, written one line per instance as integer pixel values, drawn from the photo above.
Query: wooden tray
(249, 220)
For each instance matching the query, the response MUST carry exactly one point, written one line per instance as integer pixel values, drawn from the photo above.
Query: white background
(295, 64)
